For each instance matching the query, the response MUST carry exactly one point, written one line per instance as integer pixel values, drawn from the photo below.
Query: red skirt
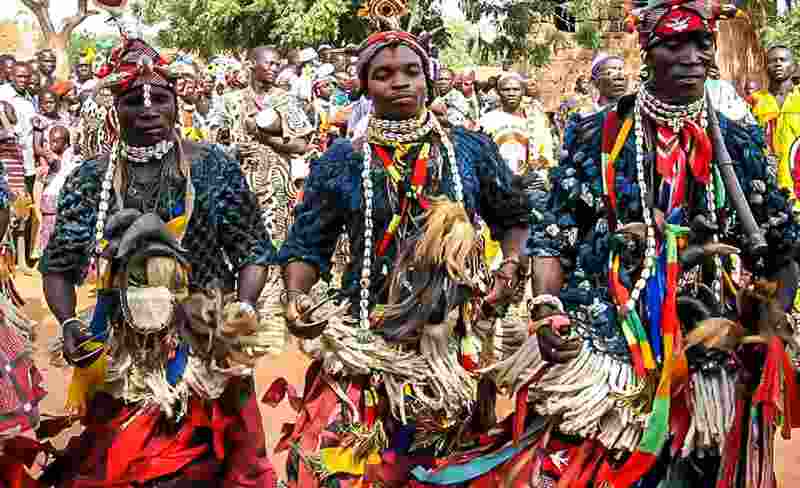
(125, 447)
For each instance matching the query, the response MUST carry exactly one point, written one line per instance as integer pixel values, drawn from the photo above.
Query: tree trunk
(59, 42)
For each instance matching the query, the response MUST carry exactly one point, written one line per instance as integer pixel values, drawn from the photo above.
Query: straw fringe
(438, 381)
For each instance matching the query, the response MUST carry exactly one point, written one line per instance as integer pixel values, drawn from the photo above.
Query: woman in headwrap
(390, 387)
(646, 366)
(163, 376)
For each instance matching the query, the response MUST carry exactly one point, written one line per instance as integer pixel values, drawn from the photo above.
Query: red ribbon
(691, 145)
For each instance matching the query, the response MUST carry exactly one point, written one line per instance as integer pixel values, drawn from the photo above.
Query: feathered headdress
(384, 14)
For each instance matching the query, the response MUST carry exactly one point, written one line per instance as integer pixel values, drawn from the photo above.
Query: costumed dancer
(21, 384)
(647, 366)
(387, 390)
(270, 129)
(21, 387)
(163, 379)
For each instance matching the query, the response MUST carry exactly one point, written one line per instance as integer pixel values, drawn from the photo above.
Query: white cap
(307, 54)
(326, 69)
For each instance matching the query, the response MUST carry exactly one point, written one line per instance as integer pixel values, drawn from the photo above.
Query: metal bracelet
(547, 299)
(83, 327)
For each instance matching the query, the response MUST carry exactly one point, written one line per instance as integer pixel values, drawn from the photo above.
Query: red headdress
(662, 19)
(133, 64)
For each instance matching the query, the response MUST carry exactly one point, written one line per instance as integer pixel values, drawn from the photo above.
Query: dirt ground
(291, 365)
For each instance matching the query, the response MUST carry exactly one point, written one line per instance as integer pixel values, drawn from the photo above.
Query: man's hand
(551, 325)
(556, 349)
(295, 307)
(507, 280)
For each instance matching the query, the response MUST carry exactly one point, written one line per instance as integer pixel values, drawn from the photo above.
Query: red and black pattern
(663, 19)
(20, 382)
(134, 64)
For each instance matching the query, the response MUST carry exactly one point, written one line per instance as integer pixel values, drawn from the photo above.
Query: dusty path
(291, 365)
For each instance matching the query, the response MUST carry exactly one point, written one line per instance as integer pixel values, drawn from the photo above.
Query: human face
(47, 103)
(611, 82)
(345, 81)
(680, 64)
(21, 77)
(780, 64)
(47, 63)
(396, 83)
(145, 126)
(184, 87)
(339, 62)
(208, 86)
(467, 85)
(510, 91)
(445, 82)
(532, 88)
(324, 56)
(267, 65)
(58, 141)
(84, 73)
(581, 86)
(36, 82)
(6, 68)
(325, 89)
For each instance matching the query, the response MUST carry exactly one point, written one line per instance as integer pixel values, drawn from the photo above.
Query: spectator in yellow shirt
(777, 110)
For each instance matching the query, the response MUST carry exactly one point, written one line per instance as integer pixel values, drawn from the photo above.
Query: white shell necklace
(117, 152)
(395, 132)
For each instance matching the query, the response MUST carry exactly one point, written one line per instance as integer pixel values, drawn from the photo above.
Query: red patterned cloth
(122, 447)
(20, 382)
(11, 160)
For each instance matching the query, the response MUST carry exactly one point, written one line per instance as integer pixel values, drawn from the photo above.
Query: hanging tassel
(575, 468)
(86, 382)
(449, 238)
(730, 463)
(520, 413)
(469, 356)
(370, 406)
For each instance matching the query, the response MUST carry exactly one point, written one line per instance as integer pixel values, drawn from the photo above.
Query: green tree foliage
(212, 26)
(783, 30)
(81, 41)
(515, 36)
(457, 54)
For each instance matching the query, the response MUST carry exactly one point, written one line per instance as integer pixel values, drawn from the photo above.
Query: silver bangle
(546, 299)
(83, 327)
